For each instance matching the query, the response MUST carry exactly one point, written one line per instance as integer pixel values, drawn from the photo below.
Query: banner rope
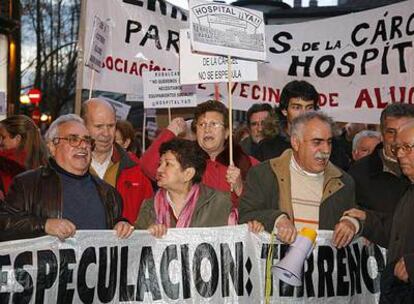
(269, 261)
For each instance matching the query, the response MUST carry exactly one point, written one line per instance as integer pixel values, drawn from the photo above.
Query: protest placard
(162, 89)
(196, 68)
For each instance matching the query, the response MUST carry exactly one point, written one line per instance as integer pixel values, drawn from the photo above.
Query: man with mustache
(111, 162)
(62, 197)
(302, 187)
(296, 98)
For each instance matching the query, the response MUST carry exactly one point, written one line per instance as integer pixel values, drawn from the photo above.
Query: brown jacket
(213, 208)
(36, 195)
(267, 193)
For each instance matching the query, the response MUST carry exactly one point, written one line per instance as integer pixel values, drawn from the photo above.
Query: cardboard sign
(162, 89)
(223, 29)
(196, 68)
(100, 35)
(121, 109)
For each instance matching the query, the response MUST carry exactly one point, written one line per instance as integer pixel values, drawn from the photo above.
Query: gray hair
(299, 122)
(364, 133)
(52, 132)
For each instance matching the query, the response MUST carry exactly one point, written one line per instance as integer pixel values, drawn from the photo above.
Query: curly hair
(188, 154)
(210, 106)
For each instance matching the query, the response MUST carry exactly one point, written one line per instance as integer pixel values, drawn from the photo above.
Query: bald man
(111, 162)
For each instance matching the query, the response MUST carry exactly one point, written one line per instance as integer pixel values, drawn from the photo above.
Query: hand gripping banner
(194, 265)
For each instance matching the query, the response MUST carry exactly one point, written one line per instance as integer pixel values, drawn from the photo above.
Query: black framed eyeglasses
(405, 148)
(75, 140)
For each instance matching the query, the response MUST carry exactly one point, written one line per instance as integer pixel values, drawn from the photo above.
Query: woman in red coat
(21, 148)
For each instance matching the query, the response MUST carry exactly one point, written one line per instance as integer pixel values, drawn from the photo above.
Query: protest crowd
(303, 184)
(295, 168)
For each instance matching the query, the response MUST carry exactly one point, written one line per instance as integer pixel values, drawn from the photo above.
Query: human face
(256, 125)
(75, 160)
(406, 158)
(365, 147)
(101, 122)
(170, 174)
(120, 140)
(211, 133)
(312, 148)
(7, 141)
(389, 132)
(296, 107)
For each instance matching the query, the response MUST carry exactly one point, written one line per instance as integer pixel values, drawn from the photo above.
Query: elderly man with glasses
(394, 231)
(62, 197)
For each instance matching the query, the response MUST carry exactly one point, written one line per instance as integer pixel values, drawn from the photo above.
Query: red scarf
(162, 208)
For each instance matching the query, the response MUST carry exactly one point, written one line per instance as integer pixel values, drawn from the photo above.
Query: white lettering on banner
(216, 265)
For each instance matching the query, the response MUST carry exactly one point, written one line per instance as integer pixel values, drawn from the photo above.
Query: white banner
(358, 62)
(144, 36)
(197, 265)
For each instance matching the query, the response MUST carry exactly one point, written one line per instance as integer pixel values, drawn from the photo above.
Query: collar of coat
(280, 166)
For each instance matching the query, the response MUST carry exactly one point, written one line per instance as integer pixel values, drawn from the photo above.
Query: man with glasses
(394, 231)
(302, 188)
(379, 183)
(62, 197)
(111, 162)
(256, 116)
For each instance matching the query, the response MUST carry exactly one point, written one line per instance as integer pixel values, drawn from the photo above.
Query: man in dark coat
(256, 116)
(62, 197)
(395, 231)
(379, 183)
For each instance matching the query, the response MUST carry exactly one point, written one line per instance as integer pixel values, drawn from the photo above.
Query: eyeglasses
(211, 124)
(405, 148)
(75, 141)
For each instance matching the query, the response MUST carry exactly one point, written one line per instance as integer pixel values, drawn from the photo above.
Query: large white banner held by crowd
(358, 62)
(197, 265)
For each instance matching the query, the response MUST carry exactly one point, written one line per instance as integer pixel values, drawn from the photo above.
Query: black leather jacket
(36, 195)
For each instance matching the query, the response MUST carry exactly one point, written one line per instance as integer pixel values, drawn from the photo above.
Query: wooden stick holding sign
(169, 115)
(91, 83)
(230, 107)
(144, 125)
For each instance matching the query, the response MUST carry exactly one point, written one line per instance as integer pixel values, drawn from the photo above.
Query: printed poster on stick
(223, 29)
(197, 68)
(100, 35)
(162, 89)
